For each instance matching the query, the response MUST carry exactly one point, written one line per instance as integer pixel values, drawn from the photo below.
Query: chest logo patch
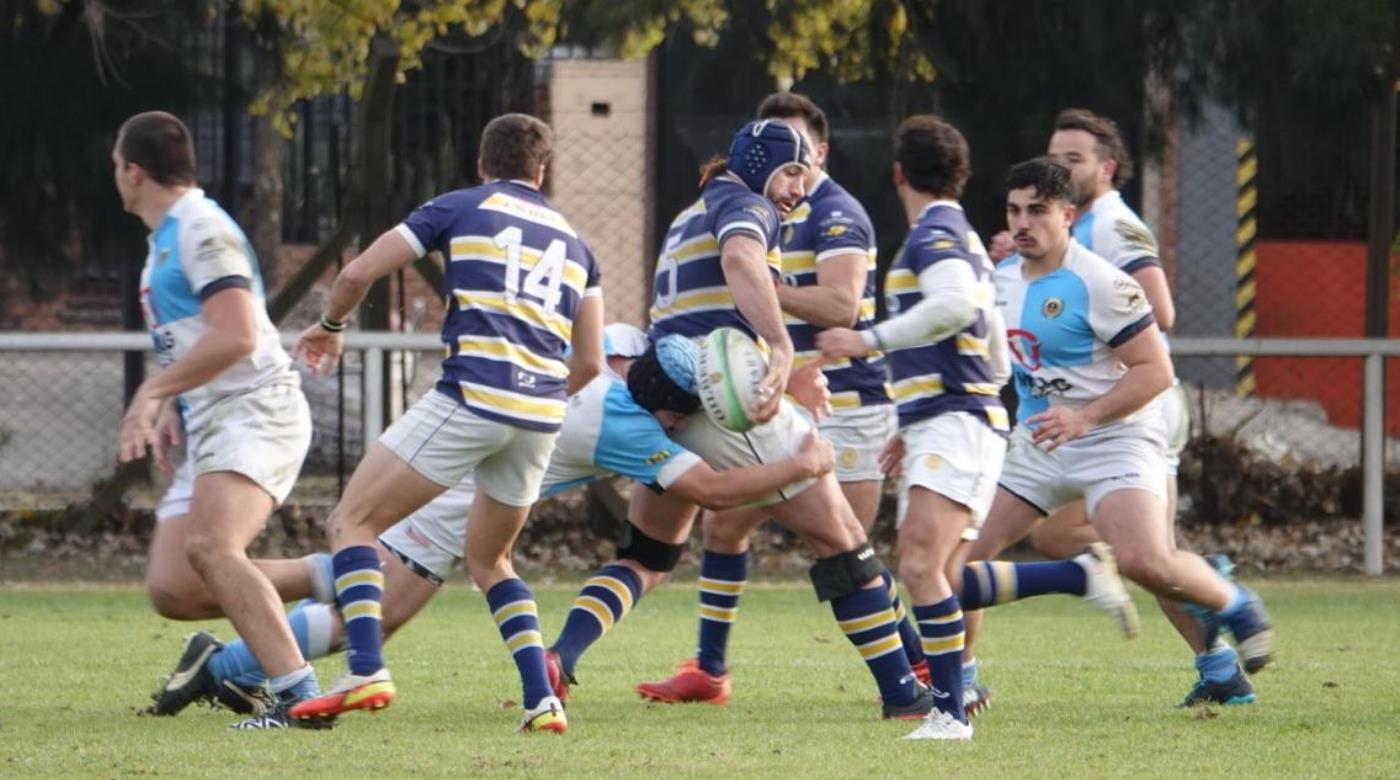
(1052, 308)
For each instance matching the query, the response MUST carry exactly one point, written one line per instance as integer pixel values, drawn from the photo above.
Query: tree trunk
(263, 215)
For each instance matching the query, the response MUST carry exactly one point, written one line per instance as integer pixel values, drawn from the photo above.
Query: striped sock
(513, 606)
(359, 587)
(605, 599)
(722, 580)
(311, 625)
(867, 619)
(942, 628)
(988, 583)
(908, 634)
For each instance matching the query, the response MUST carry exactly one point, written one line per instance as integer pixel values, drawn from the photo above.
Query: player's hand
(838, 343)
(1002, 247)
(138, 427)
(818, 454)
(320, 349)
(169, 434)
(770, 391)
(808, 386)
(1056, 426)
(892, 457)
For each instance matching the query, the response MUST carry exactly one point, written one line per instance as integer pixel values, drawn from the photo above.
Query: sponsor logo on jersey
(1025, 347)
(658, 456)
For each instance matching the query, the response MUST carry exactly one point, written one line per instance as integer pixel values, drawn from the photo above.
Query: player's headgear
(763, 147)
(663, 379)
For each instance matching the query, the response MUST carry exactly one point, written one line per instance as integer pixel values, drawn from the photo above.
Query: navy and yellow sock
(359, 589)
(988, 583)
(722, 580)
(867, 619)
(517, 618)
(943, 631)
(605, 599)
(908, 634)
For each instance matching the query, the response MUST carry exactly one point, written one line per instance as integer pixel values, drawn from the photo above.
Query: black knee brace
(845, 573)
(652, 553)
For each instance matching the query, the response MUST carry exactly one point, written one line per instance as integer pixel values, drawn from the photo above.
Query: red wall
(1317, 289)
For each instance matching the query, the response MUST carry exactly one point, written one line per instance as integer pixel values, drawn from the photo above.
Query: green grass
(1073, 699)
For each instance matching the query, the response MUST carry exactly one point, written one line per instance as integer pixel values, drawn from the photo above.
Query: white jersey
(1113, 231)
(1062, 328)
(197, 251)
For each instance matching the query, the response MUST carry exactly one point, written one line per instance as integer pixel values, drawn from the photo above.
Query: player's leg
(227, 512)
(508, 484)
(178, 593)
(849, 575)
(859, 435)
(651, 545)
(949, 482)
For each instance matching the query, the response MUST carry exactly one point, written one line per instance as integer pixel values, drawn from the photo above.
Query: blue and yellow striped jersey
(955, 374)
(689, 293)
(516, 274)
(830, 223)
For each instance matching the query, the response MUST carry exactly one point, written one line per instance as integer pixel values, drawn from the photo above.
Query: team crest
(787, 234)
(1052, 308)
(848, 457)
(835, 230)
(164, 255)
(932, 462)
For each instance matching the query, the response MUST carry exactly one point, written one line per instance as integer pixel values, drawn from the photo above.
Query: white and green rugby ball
(730, 368)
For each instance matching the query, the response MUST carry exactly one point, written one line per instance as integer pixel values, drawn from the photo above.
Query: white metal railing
(1372, 351)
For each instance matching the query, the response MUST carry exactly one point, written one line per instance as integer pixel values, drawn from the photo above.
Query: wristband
(331, 325)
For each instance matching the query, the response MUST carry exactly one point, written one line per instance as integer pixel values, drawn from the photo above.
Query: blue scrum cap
(763, 147)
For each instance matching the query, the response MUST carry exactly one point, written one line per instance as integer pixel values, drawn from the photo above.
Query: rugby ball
(728, 371)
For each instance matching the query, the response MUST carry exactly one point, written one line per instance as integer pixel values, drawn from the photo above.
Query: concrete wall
(598, 109)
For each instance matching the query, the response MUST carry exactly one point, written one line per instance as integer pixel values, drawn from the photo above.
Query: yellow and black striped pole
(1246, 227)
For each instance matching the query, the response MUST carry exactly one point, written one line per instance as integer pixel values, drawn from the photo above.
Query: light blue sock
(1218, 665)
(969, 674)
(1237, 600)
(295, 686)
(311, 625)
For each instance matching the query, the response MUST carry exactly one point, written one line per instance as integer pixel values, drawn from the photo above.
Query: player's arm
(1159, 294)
(726, 489)
(320, 346)
(834, 301)
(586, 354)
(743, 257)
(948, 304)
(230, 334)
(1149, 373)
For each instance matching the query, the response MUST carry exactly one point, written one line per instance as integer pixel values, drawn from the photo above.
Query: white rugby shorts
(262, 434)
(858, 434)
(956, 455)
(444, 441)
(775, 440)
(1091, 468)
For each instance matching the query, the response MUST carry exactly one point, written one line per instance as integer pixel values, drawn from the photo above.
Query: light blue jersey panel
(1084, 230)
(171, 297)
(1056, 308)
(632, 442)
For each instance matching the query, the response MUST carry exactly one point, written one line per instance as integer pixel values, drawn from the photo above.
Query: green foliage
(325, 44)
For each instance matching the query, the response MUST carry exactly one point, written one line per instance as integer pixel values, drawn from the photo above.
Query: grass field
(1073, 699)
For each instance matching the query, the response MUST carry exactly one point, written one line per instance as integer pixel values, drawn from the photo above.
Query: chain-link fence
(63, 411)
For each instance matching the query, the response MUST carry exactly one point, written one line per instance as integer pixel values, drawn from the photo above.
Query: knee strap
(654, 554)
(845, 573)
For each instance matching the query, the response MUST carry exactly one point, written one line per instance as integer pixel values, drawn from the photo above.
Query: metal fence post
(1373, 462)
(374, 394)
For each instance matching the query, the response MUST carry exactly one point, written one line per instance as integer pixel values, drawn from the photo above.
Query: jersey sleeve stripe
(408, 235)
(1137, 264)
(1132, 330)
(225, 283)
